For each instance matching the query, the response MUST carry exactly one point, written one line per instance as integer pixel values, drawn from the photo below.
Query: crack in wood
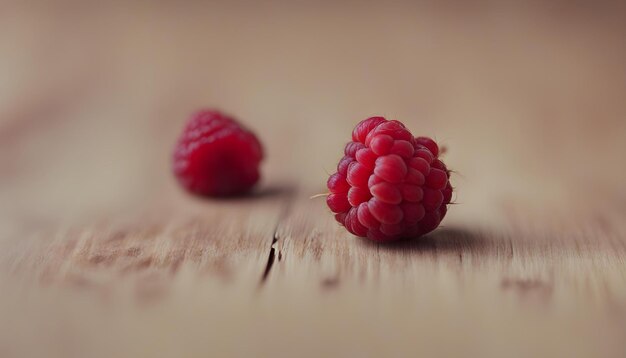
(271, 258)
(512, 253)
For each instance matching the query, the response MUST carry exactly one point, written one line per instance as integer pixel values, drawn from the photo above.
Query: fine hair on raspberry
(389, 185)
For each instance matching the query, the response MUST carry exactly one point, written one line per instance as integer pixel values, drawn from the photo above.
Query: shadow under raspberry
(264, 192)
(446, 240)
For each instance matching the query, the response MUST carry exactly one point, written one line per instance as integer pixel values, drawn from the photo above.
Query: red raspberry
(216, 156)
(389, 185)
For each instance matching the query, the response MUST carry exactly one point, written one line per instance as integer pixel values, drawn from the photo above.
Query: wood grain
(102, 254)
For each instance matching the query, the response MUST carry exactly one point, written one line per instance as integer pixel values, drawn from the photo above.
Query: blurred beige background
(528, 96)
(537, 84)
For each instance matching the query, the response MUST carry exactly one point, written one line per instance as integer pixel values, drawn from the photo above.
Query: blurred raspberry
(389, 185)
(216, 156)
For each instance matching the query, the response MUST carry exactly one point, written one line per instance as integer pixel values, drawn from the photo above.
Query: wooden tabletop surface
(102, 254)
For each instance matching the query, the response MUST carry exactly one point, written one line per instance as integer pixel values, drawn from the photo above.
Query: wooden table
(102, 254)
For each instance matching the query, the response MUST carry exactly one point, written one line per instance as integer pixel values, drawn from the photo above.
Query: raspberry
(389, 185)
(216, 156)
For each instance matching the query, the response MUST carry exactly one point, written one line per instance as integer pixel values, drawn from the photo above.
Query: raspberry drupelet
(389, 185)
(217, 156)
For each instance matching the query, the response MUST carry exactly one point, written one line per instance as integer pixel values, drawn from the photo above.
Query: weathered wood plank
(101, 254)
